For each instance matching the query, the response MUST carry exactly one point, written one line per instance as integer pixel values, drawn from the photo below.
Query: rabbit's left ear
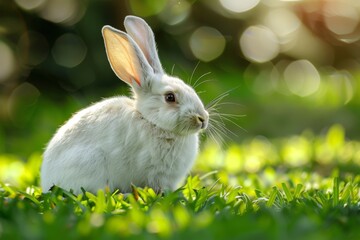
(142, 34)
(125, 57)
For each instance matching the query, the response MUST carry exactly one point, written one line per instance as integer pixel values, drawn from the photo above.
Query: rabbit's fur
(150, 139)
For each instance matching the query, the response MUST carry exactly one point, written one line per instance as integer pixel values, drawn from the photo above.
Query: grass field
(301, 187)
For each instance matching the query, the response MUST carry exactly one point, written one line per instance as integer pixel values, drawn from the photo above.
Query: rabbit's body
(108, 153)
(150, 139)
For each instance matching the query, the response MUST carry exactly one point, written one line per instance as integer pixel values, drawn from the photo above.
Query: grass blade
(298, 190)
(272, 197)
(336, 192)
(346, 193)
(288, 195)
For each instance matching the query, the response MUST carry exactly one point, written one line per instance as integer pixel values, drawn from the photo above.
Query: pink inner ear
(122, 56)
(132, 61)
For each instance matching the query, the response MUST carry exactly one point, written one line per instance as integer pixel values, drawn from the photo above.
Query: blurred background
(290, 65)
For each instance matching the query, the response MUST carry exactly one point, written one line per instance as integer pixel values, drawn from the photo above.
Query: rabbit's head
(163, 100)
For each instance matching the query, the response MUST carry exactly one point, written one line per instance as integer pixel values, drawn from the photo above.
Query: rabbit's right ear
(125, 57)
(142, 34)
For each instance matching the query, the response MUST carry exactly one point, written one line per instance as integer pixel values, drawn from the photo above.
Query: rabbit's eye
(170, 97)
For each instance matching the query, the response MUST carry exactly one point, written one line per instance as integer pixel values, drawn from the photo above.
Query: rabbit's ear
(125, 57)
(142, 34)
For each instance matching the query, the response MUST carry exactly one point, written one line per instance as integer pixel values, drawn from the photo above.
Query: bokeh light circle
(239, 6)
(259, 44)
(69, 50)
(7, 62)
(30, 4)
(62, 11)
(302, 78)
(340, 17)
(207, 43)
(175, 12)
(283, 23)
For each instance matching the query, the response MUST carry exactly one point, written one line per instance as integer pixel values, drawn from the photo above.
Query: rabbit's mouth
(192, 125)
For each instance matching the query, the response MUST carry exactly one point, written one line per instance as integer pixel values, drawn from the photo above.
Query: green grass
(301, 187)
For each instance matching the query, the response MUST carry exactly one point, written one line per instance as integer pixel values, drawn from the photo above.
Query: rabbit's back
(75, 155)
(111, 144)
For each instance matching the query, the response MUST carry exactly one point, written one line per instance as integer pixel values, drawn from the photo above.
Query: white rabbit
(150, 139)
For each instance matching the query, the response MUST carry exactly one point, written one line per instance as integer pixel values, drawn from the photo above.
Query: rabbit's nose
(202, 120)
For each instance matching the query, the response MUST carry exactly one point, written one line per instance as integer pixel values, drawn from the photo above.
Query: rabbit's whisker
(172, 69)
(202, 82)
(198, 82)
(193, 72)
(217, 129)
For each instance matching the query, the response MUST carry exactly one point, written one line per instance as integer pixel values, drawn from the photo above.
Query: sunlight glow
(297, 151)
(233, 159)
(252, 164)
